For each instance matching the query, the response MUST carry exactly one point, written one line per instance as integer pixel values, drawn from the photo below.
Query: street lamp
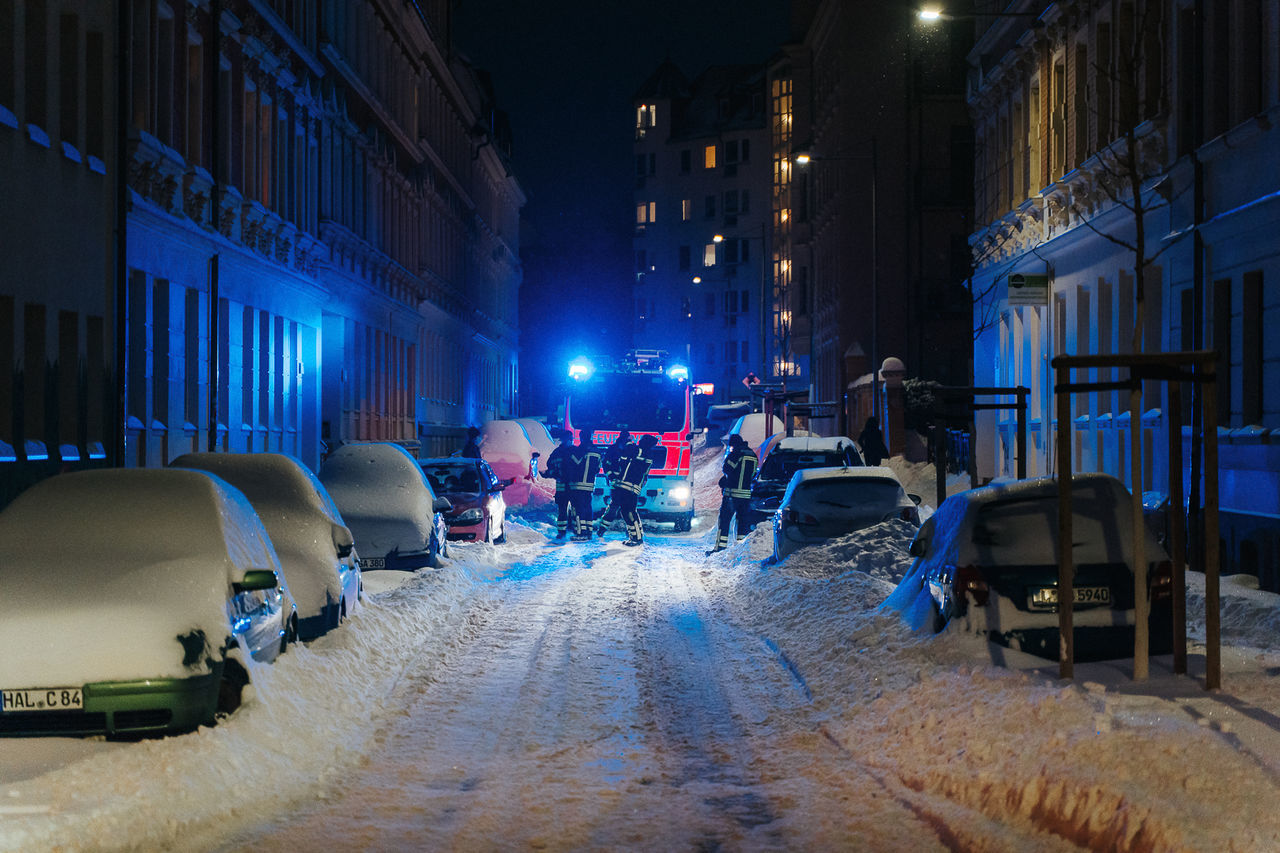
(930, 14)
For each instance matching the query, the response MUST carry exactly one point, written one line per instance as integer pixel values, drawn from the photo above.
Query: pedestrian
(558, 469)
(738, 471)
(612, 463)
(583, 465)
(626, 493)
(471, 449)
(872, 442)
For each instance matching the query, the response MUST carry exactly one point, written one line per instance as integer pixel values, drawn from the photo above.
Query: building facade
(707, 277)
(249, 225)
(1127, 153)
(882, 205)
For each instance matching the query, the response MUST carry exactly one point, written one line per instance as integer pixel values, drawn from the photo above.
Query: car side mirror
(342, 541)
(255, 579)
(915, 499)
(537, 455)
(918, 548)
(443, 504)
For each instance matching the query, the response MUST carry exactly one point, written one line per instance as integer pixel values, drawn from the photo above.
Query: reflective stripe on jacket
(584, 462)
(635, 471)
(739, 470)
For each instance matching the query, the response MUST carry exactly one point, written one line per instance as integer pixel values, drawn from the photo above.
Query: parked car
(478, 511)
(131, 599)
(507, 448)
(314, 544)
(788, 455)
(396, 519)
(987, 562)
(752, 429)
(823, 503)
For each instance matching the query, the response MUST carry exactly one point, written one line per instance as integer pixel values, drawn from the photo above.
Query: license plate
(1048, 596)
(42, 699)
(373, 562)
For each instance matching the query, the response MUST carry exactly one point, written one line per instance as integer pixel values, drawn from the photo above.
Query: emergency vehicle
(646, 393)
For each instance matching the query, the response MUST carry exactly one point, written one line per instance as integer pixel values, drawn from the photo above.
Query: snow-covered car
(314, 544)
(752, 429)
(396, 519)
(507, 448)
(823, 503)
(987, 563)
(788, 455)
(478, 511)
(133, 602)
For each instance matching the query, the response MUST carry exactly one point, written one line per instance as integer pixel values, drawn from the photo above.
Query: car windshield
(639, 401)
(781, 464)
(843, 496)
(452, 478)
(1026, 530)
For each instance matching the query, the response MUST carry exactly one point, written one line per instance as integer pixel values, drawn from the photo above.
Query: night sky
(565, 72)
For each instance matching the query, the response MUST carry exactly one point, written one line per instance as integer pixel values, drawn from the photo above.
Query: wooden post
(1141, 601)
(1066, 571)
(940, 460)
(1212, 605)
(1177, 534)
(1022, 432)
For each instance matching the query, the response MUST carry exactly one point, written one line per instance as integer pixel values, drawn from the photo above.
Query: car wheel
(939, 621)
(684, 525)
(231, 686)
(502, 534)
(488, 530)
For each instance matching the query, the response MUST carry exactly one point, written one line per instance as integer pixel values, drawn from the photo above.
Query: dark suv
(789, 456)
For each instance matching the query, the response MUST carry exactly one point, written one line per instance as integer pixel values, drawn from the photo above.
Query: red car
(479, 512)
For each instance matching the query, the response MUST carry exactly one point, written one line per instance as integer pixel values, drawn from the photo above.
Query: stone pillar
(893, 405)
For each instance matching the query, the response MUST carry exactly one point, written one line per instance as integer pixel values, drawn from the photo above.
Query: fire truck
(646, 393)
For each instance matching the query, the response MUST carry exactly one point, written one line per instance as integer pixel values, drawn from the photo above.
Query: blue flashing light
(581, 368)
(678, 372)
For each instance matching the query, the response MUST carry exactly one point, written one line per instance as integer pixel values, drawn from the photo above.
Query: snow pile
(1250, 616)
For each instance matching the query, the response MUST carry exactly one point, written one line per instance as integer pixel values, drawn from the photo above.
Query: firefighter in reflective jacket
(735, 484)
(583, 465)
(612, 463)
(557, 469)
(626, 492)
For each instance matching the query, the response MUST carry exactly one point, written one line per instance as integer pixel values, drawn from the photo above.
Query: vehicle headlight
(470, 516)
(679, 493)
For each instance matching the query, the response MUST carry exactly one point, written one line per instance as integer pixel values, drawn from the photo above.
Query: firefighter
(626, 494)
(735, 484)
(583, 465)
(557, 469)
(613, 462)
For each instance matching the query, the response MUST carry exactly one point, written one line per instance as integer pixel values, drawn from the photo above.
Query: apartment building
(1126, 150)
(247, 225)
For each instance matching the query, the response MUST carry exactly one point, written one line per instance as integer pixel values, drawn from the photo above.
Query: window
(711, 353)
(686, 209)
(711, 305)
(685, 260)
(646, 212)
(1251, 337)
(1222, 343)
(69, 79)
(731, 302)
(686, 308)
(709, 157)
(730, 251)
(730, 201)
(709, 207)
(730, 352)
(709, 255)
(686, 161)
(746, 350)
(737, 151)
(642, 264)
(646, 118)
(745, 303)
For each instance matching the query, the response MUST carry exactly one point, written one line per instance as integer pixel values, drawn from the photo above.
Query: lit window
(646, 212)
(653, 211)
(709, 255)
(646, 117)
(686, 209)
(709, 157)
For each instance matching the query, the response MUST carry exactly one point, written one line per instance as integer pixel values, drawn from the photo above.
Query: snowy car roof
(813, 444)
(384, 496)
(860, 472)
